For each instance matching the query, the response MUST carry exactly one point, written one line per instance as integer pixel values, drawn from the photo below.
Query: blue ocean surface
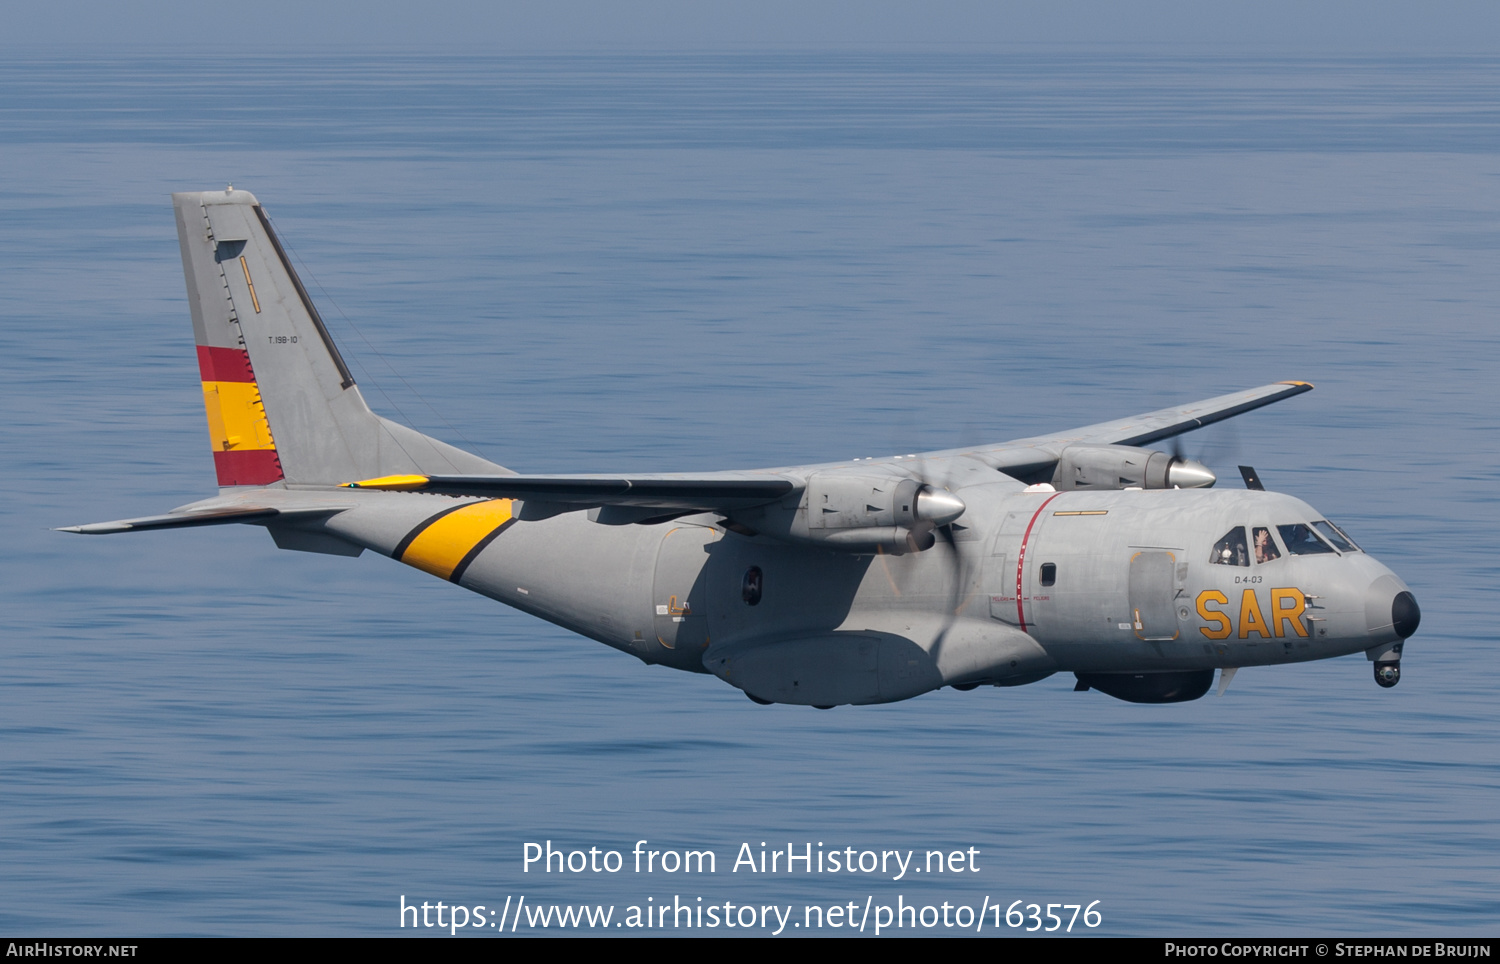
(631, 262)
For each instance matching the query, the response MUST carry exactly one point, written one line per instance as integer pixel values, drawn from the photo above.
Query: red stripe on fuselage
(224, 364)
(248, 467)
(1021, 560)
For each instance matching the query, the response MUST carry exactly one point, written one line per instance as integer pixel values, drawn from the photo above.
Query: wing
(1167, 422)
(650, 497)
(549, 494)
(1027, 456)
(622, 500)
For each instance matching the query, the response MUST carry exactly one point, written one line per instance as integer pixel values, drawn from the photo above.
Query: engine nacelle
(859, 513)
(1127, 467)
(846, 501)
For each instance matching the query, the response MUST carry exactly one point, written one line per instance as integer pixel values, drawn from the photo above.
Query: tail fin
(282, 405)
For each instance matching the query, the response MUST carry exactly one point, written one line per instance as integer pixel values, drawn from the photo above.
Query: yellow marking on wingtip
(1308, 384)
(394, 483)
(441, 546)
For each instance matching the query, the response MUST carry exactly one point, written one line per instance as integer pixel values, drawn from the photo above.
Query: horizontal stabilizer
(579, 492)
(210, 517)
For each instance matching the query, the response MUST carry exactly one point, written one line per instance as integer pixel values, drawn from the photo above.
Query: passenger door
(1153, 594)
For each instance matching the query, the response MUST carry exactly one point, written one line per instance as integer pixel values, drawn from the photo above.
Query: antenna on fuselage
(1252, 480)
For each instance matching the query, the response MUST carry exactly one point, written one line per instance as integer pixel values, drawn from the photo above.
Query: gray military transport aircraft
(865, 581)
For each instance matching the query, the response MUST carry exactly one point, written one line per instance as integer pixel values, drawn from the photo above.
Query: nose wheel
(1388, 673)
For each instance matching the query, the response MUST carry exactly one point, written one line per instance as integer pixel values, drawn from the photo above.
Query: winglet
(391, 483)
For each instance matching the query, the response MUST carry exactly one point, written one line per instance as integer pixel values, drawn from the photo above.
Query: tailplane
(282, 406)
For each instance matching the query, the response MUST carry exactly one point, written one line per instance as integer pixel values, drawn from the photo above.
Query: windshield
(1301, 540)
(1335, 535)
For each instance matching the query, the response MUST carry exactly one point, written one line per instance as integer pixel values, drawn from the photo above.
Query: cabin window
(1049, 573)
(1301, 540)
(751, 590)
(1265, 546)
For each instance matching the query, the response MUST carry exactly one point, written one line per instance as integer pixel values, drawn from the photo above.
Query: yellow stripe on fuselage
(236, 417)
(441, 546)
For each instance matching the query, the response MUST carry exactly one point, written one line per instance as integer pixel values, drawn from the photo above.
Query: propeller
(1221, 444)
(934, 509)
(937, 509)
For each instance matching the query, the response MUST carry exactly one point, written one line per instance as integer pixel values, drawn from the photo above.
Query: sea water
(674, 263)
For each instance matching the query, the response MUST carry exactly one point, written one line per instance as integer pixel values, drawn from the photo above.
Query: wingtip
(1305, 386)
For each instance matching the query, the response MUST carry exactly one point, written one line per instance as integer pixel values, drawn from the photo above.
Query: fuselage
(1032, 582)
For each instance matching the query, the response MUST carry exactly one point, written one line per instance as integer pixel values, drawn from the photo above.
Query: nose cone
(1405, 614)
(1391, 611)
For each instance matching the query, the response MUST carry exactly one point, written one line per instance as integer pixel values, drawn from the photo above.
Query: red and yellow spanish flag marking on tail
(244, 452)
(447, 543)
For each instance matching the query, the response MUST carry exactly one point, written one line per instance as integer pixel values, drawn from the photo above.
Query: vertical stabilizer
(281, 404)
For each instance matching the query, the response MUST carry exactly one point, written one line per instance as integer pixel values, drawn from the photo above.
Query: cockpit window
(1231, 550)
(1265, 546)
(1335, 535)
(1301, 540)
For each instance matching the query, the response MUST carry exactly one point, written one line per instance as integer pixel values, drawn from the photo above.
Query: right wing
(635, 499)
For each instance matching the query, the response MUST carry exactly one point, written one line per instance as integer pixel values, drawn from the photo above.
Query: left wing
(1029, 456)
(1167, 422)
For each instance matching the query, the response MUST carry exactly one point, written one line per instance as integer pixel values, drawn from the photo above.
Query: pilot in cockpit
(1231, 550)
(1265, 549)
